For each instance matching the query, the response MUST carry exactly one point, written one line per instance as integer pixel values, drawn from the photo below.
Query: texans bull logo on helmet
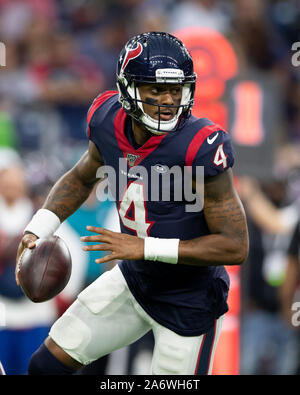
(131, 53)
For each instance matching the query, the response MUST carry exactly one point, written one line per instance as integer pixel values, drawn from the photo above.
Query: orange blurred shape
(227, 357)
(234, 294)
(214, 60)
(248, 128)
(215, 111)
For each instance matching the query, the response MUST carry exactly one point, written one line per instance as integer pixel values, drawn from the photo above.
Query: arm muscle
(74, 187)
(228, 242)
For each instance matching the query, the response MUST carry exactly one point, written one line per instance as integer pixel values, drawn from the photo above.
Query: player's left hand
(121, 245)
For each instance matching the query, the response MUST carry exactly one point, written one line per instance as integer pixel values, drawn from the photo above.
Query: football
(45, 270)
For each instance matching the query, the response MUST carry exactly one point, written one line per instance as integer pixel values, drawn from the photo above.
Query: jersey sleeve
(211, 148)
(97, 103)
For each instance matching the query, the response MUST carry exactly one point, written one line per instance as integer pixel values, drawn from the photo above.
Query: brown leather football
(45, 270)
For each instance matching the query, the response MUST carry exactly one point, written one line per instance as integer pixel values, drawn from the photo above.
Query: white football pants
(106, 317)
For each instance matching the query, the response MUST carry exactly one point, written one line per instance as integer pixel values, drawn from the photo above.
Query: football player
(171, 277)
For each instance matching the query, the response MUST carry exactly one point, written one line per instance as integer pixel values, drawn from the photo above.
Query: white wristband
(43, 224)
(164, 250)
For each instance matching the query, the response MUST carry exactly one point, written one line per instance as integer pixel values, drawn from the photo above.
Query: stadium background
(61, 54)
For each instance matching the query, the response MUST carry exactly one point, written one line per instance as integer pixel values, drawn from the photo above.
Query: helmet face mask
(155, 58)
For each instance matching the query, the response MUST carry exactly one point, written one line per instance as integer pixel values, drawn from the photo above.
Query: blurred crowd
(60, 54)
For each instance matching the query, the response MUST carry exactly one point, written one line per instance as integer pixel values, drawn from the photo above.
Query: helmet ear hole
(128, 99)
(124, 98)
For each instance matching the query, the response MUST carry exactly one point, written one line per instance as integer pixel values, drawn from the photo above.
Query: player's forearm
(67, 195)
(228, 243)
(213, 250)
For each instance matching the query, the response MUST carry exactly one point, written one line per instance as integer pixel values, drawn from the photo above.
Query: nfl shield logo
(131, 158)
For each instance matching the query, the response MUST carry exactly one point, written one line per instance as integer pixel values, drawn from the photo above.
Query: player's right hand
(28, 241)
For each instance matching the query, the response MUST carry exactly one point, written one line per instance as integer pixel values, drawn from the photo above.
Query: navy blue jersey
(186, 299)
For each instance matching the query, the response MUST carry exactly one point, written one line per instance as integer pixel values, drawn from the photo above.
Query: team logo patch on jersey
(160, 168)
(131, 158)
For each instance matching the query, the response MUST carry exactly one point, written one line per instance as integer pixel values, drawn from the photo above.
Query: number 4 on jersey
(220, 157)
(132, 210)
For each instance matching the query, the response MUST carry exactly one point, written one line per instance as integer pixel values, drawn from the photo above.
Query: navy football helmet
(155, 57)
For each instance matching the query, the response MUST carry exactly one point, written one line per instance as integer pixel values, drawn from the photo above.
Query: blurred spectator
(25, 324)
(8, 133)
(290, 285)
(210, 14)
(290, 291)
(16, 343)
(16, 85)
(103, 45)
(254, 30)
(9, 158)
(67, 77)
(268, 345)
(286, 17)
(15, 17)
(264, 43)
(151, 15)
(68, 82)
